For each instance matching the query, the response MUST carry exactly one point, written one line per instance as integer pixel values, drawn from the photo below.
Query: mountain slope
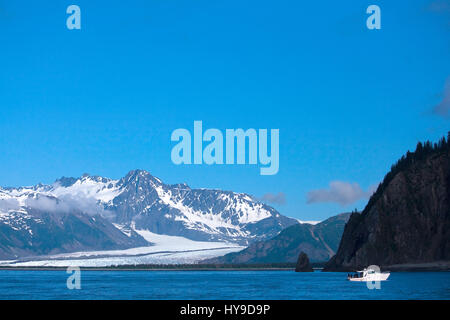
(97, 213)
(407, 220)
(36, 232)
(318, 241)
(198, 214)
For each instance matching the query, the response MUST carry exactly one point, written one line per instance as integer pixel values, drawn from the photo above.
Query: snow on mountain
(313, 222)
(164, 250)
(213, 221)
(112, 211)
(180, 257)
(101, 189)
(198, 214)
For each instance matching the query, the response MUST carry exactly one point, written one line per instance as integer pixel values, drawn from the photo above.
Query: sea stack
(303, 263)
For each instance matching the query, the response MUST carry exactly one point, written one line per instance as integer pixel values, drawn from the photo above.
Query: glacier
(129, 218)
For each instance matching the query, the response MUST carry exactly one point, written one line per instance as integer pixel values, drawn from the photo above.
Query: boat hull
(372, 277)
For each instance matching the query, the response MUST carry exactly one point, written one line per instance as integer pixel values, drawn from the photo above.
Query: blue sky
(105, 99)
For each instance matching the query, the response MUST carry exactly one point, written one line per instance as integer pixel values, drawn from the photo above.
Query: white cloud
(443, 108)
(341, 192)
(67, 203)
(439, 6)
(276, 198)
(9, 204)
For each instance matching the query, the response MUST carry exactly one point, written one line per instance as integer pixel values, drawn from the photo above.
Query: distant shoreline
(435, 266)
(443, 266)
(174, 267)
(142, 269)
(428, 266)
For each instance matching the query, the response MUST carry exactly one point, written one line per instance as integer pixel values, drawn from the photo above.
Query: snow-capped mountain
(97, 213)
(197, 214)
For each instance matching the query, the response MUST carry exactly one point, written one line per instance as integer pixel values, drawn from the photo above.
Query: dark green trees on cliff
(407, 220)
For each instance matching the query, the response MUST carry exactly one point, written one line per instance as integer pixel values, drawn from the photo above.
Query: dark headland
(406, 223)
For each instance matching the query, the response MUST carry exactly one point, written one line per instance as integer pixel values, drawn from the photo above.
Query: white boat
(369, 275)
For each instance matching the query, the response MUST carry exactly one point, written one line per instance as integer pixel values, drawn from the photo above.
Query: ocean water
(219, 285)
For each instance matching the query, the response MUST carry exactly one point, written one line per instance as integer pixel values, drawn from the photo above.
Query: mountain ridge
(138, 199)
(319, 242)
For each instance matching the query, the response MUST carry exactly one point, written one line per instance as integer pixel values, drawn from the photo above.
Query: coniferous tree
(423, 150)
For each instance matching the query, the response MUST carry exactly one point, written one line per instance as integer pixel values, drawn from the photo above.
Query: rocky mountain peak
(66, 181)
